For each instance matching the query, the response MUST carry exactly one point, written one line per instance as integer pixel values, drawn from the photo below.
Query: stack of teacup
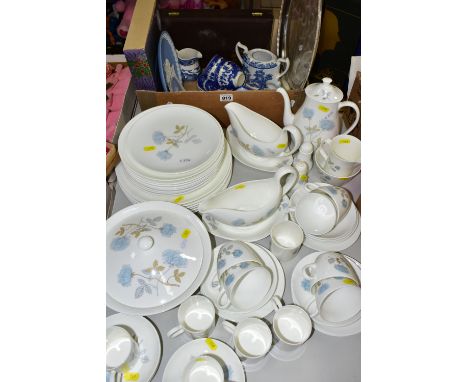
(335, 289)
(338, 160)
(318, 208)
(240, 271)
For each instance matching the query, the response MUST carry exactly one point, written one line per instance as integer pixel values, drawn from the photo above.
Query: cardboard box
(266, 102)
(348, 114)
(128, 109)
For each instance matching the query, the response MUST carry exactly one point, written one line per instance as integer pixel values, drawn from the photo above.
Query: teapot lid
(324, 92)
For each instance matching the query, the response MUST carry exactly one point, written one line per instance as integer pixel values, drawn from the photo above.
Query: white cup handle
(356, 109)
(291, 181)
(176, 331)
(229, 326)
(312, 309)
(286, 61)
(309, 187)
(244, 48)
(322, 152)
(218, 300)
(277, 304)
(297, 137)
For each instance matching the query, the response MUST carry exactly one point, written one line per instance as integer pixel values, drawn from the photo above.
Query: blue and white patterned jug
(318, 117)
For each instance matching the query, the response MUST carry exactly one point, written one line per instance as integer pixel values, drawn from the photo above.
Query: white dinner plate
(302, 298)
(228, 359)
(210, 287)
(158, 254)
(149, 345)
(170, 139)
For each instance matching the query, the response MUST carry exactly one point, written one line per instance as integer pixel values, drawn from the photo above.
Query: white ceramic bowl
(315, 213)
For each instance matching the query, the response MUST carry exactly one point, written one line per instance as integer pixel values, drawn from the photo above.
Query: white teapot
(318, 117)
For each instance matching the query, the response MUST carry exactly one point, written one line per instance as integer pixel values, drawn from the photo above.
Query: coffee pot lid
(324, 92)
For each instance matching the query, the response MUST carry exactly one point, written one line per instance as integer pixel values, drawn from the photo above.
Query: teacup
(315, 213)
(189, 65)
(332, 179)
(252, 338)
(339, 196)
(286, 240)
(120, 347)
(196, 317)
(238, 283)
(337, 299)
(292, 326)
(340, 156)
(221, 74)
(327, 265)
(261, 67)
(232, 253)
(204, 368)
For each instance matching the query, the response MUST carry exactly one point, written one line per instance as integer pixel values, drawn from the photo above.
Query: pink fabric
(117, 84)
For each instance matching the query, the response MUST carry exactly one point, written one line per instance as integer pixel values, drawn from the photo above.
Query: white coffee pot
(318, 117)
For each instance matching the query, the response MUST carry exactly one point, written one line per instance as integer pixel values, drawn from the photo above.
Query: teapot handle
(244, 48)
(291, 181)
(356, 109)
(297, 136)
(286, 61)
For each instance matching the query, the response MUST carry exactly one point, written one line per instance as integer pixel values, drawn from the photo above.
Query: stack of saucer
(173, 153)
(327, 215)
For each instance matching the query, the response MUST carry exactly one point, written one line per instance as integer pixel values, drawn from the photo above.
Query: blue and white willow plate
(168, 62)
(157, 255)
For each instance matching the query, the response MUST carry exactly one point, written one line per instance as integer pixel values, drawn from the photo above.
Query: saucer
(288, 356)
(210, 288)
(149, 344)
(250, 160)
(302, 298)
(179, 360)
(252, 232)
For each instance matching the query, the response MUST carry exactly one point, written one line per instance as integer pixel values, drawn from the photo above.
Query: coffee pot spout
(288, 116)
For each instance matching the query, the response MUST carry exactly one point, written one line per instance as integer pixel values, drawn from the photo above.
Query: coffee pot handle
(286, 62)
(356, 109)
(244, 48)
(297, 137)
(290, 181)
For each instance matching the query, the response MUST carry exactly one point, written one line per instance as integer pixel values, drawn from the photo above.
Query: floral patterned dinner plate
(157, 255)
(171, 140)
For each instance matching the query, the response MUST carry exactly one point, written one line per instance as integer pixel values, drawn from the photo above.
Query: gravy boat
(249, 202)
(259, 135)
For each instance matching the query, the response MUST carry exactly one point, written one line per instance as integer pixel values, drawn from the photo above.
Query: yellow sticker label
(131, 376)
(186, 233)
(178, 199)
(349, 281)
(211, 344)
(239, 186)
(304, 178)
(281, 145)
(323, 108)
(343, 178)
(344, 141)
(149, 148)
(200, 359)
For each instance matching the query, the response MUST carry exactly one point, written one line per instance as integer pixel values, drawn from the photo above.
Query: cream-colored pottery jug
(318, 117)
(259, 135)
(249, 202)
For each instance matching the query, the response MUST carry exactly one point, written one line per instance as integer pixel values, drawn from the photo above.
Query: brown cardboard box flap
(348, 114)
(267, 103)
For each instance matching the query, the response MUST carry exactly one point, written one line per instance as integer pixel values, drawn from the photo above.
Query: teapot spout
(288, 116)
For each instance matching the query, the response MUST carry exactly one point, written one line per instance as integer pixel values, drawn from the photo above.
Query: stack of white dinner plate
(173, 153)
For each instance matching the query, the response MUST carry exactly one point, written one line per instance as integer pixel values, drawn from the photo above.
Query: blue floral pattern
(125, 275)
(158, 137)
(229, 279)
(221, 263)
(237, 253)
(259, 79)
(326, 124)
(244, 265)
(168, 230)
(323, 288)
(341, 268)
(182, 135)
(238, 222)
(173, 258)
(308, 113)
(306, 285)
(164, 155)
(258, 151)
(120, 243)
